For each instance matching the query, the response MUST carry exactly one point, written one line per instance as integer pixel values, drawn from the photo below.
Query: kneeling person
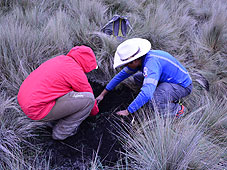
(163, 79)
(59, 90)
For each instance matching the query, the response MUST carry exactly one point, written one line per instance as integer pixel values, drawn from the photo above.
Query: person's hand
(123, 113)
(99, 98)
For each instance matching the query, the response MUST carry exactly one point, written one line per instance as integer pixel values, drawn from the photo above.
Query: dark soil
(95, 135)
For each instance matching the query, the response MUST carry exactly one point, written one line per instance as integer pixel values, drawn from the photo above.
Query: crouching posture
(163, 79)
(59, 90)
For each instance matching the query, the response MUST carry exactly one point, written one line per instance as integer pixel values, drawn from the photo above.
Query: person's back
(43, 86)
(170, 69)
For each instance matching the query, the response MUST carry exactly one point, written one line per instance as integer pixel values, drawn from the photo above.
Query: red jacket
(55, 78)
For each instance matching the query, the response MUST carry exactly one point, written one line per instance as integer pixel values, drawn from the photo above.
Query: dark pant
(166, 95)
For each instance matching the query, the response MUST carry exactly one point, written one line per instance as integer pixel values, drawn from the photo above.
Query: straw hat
(130, 50)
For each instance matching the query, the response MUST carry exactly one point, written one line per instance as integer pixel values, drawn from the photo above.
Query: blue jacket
(157, 67)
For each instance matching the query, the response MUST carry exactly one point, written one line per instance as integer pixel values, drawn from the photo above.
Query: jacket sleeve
(123, 74)
(95, 109)
(151, 72)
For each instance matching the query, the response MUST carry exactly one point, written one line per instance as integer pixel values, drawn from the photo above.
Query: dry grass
(156, 143)
(194, 31)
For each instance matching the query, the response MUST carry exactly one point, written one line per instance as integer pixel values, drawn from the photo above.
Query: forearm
(104, 92)
(137, 103)
(143, 97)
(101, 96)
(123, 74)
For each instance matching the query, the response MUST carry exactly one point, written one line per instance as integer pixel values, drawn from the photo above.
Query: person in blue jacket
(163, 79)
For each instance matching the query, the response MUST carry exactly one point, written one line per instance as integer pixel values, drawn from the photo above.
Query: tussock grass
(105, 59)
(157, 29)
(195, 32)
(121, 7)
(15, 150)
(168, 144)
(19, 53)
(210, 113)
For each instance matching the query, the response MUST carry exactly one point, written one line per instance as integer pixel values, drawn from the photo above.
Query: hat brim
(144, 46)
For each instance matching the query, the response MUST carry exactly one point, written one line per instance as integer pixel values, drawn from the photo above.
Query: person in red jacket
(59, 90)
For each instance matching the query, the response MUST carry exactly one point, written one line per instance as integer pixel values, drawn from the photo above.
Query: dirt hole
(95, 132)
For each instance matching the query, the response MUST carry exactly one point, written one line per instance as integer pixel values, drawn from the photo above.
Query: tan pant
(70, 110)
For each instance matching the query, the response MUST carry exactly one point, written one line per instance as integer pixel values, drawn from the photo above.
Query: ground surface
(76, 152)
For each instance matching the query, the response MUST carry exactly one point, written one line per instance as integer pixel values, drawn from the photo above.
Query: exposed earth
(95, 134)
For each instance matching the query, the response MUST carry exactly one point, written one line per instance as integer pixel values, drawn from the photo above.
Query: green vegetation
(194, 31)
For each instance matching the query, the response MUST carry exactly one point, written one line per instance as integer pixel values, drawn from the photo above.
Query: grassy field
(194, 31)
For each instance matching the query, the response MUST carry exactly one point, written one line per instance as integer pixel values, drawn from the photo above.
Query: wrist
(128, 110)
(105, 91)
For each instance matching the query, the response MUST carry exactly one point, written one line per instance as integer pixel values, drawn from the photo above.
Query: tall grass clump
(153, 23)
(121, 7)
(168, 144)
(104, 59)
(8, 5)
(208, 40)
(194, 31)
(86, 17)
(14, 132)
(22, 49)
(207, 46)
(57, 32)
(210, 113)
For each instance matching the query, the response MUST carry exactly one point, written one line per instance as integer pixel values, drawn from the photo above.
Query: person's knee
(90, 97)
(162, 93)
(163, 88)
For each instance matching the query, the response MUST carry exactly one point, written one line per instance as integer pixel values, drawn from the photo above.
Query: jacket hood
(84, 56)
